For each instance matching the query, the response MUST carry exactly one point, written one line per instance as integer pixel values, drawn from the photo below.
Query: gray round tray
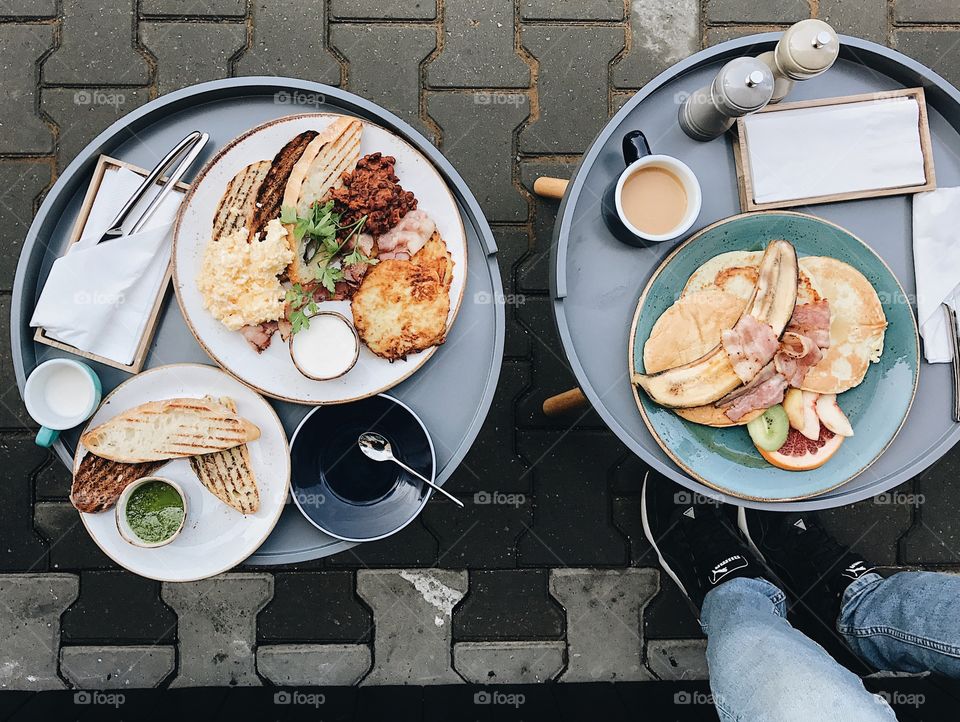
(596, 280)
(226, 108)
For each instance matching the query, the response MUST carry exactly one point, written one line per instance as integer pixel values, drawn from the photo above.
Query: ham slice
(797, 355)
(766, 389)
(750, 345)
(407, 237)
(813, 321)
(259, 336)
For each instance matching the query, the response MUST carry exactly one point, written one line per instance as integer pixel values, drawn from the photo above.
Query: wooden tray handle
(567, 401)
(547, 187)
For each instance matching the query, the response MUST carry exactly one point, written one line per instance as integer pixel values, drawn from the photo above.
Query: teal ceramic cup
(60, 394)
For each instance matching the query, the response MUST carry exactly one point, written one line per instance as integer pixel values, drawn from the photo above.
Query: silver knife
(955, 346)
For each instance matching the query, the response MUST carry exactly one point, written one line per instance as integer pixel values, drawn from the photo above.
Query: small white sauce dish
(326, 349)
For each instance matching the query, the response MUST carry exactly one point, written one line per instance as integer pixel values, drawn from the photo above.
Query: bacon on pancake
(797, 355)
(813, 321)
(766, 389)
(750, 345)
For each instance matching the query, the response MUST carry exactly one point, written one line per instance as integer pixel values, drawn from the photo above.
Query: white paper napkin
(936, 261)
(98, 297)
(810, 152)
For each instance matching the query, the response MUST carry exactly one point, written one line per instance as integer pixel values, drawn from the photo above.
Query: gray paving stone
(626, 518)
(477, 130)
(934, 538)
(730, 32)
(864, 19)
(189, 53)
(216, 629)
(344, 618)
(110, 667)
(81, 114)
(571, 84)
(513, 243)
(482, 535)
(53, 479)
(118, 607)
(507, 605)
(376, 10)
(13, 414)
(669, 615)
(21, 182)
(533, 271)
(937, 49)
(514, 662)
(30, 8)
(21, 129)
(754, 11)
(478, 49)
(926, 11)
(97, 46)
(412, 617)
(333, 665)
(571, 10)
(21, 549)
(30, 608)
(413, 546)
(70, 546)
(213, 8)
(604, 622)
(370, 49)
(662, 32)
(678, 659)
(874, 526)
(270, 51)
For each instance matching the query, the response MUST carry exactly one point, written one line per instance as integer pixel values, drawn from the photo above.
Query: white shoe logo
(728, 565)
(854, 570)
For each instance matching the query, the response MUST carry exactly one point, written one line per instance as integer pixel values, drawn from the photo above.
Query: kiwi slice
(769, 430)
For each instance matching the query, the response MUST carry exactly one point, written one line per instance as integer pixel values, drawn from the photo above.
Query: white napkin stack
(98, 297)
(823, 150)
(936, 261)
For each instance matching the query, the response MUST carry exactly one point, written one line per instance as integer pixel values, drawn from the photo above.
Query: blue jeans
(761, 668)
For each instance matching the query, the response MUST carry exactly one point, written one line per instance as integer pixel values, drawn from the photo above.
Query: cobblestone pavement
(550, 580)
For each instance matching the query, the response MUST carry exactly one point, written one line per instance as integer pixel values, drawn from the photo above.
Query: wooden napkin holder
(740, 156)
(105, 163)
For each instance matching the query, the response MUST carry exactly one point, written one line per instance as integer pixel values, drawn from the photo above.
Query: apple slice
(801, 408)
(832, 415)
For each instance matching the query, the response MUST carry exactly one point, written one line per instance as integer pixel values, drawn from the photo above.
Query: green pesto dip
(154, 511)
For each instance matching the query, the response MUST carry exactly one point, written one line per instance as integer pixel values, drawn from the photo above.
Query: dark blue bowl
(342, 492)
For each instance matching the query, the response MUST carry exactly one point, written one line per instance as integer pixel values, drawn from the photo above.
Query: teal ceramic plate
(725, 459)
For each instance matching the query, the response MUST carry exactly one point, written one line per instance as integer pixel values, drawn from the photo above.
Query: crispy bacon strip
(765, 390)
(813, 321)
(797, 355)
(750, 345)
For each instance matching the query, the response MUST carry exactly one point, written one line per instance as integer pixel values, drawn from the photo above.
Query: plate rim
(426, 355)
(423, 504)
(272, 522)
(639, 403)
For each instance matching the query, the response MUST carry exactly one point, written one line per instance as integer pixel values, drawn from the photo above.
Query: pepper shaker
(744, 85)
(807, 49)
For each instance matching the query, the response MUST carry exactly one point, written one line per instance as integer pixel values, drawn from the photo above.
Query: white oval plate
(215, 537)
(272, 372)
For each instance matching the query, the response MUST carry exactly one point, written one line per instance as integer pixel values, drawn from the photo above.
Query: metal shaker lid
(807, 48)
(744, 85)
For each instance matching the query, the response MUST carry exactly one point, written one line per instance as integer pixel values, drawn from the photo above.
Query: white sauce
(68, 392)
(326, 349)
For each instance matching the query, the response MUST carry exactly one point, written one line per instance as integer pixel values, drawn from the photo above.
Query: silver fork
(955, 346)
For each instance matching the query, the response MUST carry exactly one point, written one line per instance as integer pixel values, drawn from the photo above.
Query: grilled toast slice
(98, 482)
(169, 429)
(333, 152)
(238, 203)
(270, 193)
(228, 475)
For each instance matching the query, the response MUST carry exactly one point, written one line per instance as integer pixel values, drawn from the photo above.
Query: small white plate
(272, 372)
(215, 537)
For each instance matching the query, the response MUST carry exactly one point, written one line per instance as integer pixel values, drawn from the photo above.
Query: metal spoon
(376, 447)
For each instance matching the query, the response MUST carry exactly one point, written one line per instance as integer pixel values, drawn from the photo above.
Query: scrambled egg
(238, 280)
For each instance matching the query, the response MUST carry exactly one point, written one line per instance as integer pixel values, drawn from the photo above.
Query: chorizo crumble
(373, 190)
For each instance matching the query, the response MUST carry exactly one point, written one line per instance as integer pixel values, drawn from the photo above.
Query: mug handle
(634, 146)
(46, 437)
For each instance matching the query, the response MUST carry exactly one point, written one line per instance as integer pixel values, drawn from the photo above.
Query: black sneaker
(813, 566)
(697, 545)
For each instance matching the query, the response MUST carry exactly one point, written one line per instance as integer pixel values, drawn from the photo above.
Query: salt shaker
(807, 49)
(744, 85)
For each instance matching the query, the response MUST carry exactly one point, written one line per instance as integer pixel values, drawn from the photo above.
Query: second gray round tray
(596, 280)
(451, 393)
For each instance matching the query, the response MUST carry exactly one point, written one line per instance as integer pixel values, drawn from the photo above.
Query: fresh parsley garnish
(303, 305)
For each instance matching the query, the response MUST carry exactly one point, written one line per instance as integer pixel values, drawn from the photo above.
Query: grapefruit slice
(799, 453)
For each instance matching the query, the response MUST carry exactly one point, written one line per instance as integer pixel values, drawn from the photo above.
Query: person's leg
(909, 622)
(761, 668)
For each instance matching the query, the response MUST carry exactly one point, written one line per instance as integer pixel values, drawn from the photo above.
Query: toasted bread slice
(332, 153)
(402, 305)
(228, 475)
(98, 482)
(169, 429)
(238, 204)
(270, 193)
